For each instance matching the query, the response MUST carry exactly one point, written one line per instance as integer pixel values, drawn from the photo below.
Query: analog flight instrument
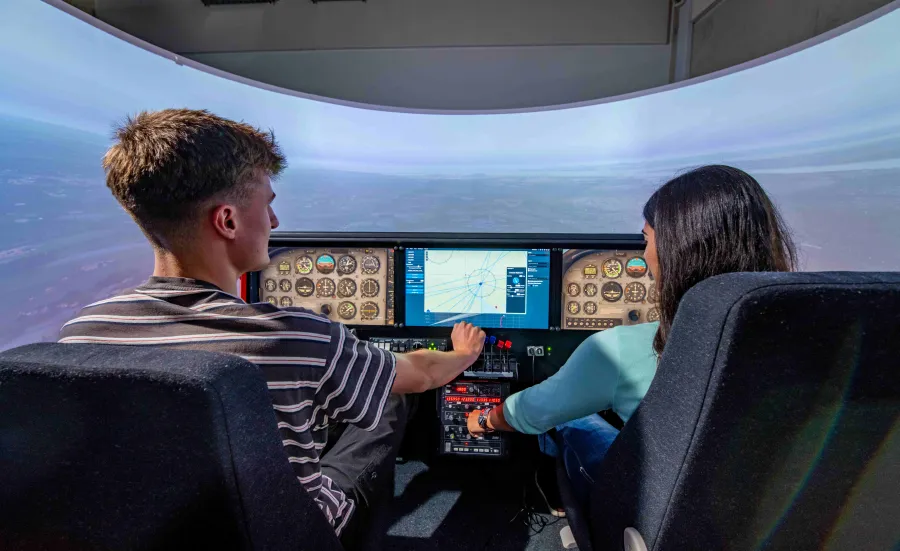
(611, 291)
(304, 287)
(371, 265)
(636, 267)
(272, 300)
(285, 285)
(325, 287)
(270, 285)
(653, 314)
(652, 294)
(590, 308)
(325, 264)
(304, 265)
(612, 268)
(347, 310)
(590, 290)
(573, 307)
(370, 288)
(573, 289)
(590, 271)
(286, 302)
(368, 311)
(635, 292)
(284, 267)
(346, 265)
(346, 287)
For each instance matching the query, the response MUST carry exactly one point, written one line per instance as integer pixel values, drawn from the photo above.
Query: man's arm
(426, 369)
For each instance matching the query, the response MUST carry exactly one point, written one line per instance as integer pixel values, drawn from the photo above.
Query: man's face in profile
(257, 220)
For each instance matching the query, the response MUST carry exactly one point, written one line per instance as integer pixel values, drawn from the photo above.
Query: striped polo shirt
(315, 369)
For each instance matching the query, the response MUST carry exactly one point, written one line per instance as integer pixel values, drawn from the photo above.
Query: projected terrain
(820, 129)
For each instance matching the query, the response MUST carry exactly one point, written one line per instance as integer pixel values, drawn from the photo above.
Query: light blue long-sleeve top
(611, 369)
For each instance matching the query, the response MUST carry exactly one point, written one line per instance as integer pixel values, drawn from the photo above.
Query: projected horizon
(820, 129)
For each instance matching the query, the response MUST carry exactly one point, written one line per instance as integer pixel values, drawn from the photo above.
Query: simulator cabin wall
(729, 32)
(421, 54)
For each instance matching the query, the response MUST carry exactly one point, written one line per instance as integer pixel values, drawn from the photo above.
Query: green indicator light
(549, 349)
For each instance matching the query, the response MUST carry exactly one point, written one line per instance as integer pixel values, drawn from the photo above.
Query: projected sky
(820, 129)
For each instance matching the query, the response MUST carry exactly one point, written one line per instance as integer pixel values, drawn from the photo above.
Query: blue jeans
(583, 443)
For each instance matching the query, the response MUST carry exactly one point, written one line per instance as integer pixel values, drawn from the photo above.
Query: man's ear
(224, 221)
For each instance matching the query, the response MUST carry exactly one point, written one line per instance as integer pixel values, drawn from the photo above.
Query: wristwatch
(483, 419)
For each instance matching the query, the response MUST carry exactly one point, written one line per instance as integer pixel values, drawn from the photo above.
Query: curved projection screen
(819, 128)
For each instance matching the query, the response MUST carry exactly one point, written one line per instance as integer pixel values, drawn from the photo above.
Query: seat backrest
(773, 421)
(108, 447)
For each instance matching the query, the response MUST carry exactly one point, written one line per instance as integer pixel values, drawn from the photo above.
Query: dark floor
(470, 504)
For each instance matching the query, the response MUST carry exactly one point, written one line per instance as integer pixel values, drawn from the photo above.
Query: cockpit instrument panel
(352, 285)
(605, 288)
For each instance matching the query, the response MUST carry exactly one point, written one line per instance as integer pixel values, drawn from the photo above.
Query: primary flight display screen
(489, 288)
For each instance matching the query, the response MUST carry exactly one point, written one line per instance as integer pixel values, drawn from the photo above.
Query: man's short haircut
(165, 165)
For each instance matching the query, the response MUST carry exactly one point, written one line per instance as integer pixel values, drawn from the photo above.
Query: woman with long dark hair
(709, 221)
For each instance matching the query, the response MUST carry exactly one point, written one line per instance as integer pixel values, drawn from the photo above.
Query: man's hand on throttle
(467, 339)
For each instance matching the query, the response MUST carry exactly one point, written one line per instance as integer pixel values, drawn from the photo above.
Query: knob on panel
(325, 309)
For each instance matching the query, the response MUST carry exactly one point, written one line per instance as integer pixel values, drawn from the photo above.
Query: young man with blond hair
(199, 188)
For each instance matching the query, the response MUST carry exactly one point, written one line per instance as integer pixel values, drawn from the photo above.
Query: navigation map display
(489, 288)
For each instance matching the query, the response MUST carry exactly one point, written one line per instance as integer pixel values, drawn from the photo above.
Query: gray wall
(427, 54)
(457, 78)
(187, 26)
(734, 31)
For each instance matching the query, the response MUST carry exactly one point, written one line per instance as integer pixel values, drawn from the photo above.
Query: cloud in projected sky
(843, 87)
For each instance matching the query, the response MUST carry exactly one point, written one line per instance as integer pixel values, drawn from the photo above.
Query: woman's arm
(585, 384)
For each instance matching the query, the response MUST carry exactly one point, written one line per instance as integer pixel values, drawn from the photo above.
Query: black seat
(107, 447)
(773, 422)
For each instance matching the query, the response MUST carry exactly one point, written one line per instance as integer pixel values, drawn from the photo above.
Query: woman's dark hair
(709, 221)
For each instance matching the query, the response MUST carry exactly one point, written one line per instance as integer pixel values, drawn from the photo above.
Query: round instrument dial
(612, 268)
(325, 264)
(371, 265)
(285, 285)
(304, 287)
(272, 300)
(286, 302)
(636, 267)
(346, 288)
(590, 308)
(573, 289)
(347, 310)
(611, 291)
(368, 311)
(270, 285)
(653, 314)
(635, 292)
(346, 265)
(370, 288)
(284, 267)
(573, 307)
(589, 271)
(590, 290)
(304, 265)
(652, 294)
(325, 287)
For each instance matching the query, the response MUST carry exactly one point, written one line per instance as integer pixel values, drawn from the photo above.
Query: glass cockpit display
(353, 286)
(489, 288)
(603, 289)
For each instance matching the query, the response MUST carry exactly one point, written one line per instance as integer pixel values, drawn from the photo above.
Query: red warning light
(508, 345)
(461, 389)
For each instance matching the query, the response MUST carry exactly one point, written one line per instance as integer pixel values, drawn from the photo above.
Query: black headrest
(773, 421)
(108, 447)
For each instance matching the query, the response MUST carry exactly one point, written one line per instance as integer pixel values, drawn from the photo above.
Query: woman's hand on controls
(472, 423)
